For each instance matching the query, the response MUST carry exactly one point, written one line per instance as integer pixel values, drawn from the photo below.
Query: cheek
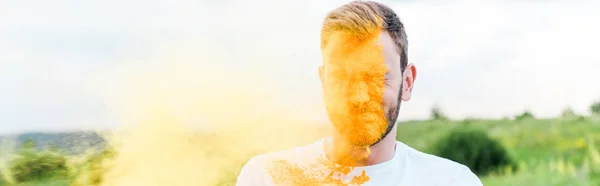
(390, 98)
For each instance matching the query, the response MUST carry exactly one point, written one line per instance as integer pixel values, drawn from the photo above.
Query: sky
(474, 58)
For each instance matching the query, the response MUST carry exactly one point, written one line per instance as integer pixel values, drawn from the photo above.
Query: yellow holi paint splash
(187, 122)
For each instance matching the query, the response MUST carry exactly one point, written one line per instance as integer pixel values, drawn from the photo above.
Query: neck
(379, 153)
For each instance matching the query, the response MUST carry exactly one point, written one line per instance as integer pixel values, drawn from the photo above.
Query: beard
(363, 124)
(392, 117)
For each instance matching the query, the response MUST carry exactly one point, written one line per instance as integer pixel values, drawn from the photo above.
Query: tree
(524, 115)
(568, 112)
(436, 113)
(595, 108)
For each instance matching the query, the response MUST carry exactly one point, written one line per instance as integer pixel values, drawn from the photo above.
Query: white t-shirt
(408, 167)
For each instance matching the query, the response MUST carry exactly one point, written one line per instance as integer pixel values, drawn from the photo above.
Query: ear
(408, 81)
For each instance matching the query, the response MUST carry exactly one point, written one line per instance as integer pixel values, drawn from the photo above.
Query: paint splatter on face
(353, 87)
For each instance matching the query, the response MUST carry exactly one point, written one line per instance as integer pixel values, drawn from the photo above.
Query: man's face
(392, 92)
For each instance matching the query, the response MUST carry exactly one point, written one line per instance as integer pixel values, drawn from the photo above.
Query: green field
(549, 151)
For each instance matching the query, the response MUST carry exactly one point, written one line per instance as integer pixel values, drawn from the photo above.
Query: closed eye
(386, 79)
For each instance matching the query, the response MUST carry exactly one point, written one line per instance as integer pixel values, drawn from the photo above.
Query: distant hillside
(67, 142)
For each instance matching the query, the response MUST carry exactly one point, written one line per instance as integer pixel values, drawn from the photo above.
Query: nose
(359, 93)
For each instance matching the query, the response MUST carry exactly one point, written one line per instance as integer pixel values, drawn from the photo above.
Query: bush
(474, 149)
(91, 171)
(32, 165)
(29, 144)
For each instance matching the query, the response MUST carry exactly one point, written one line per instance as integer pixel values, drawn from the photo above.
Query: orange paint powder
(324, 172)
(353, 79)
(353, 86)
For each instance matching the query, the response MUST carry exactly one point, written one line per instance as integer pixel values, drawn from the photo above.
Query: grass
(560, 152)
(48, 182)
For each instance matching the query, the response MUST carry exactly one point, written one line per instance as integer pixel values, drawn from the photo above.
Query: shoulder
(255, 171)
(442, 170)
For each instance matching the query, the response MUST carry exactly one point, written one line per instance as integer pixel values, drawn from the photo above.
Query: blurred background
(507, 87)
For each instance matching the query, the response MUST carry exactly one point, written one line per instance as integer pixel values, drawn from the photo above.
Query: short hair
(360, 17)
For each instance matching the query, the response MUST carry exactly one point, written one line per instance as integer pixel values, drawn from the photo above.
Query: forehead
(390, 52)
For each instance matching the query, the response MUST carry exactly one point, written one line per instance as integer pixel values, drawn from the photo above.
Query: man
(365, 76)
